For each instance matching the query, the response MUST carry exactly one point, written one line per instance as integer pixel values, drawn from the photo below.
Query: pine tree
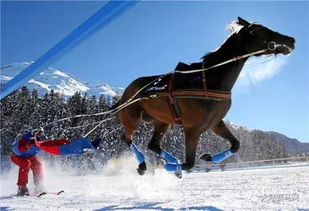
(22, 110)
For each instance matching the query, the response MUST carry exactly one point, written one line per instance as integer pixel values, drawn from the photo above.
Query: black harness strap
(175, 110)
(173, 94)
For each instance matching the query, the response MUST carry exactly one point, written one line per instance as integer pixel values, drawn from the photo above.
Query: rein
(272, 46)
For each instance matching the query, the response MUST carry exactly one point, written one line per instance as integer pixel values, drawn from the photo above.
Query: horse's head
(259, 37)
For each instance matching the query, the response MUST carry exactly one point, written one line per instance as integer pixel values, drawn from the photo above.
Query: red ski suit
(26, 163)
(26, 149)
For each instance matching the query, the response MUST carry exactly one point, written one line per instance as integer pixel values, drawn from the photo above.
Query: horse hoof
(235, 148)
(140, 172)
(141, 168)
(178, 174)
(206, 157)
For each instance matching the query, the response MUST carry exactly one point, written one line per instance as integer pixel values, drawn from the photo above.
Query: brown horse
(198, 100)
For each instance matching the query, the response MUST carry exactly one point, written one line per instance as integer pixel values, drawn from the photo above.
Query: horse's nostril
(292, 40)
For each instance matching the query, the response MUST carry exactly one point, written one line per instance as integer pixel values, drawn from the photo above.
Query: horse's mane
(233, 28)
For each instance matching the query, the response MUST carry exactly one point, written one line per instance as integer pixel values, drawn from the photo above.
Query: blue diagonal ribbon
(109, 12)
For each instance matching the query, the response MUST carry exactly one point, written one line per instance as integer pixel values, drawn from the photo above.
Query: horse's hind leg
(130, 119)
(221, 130)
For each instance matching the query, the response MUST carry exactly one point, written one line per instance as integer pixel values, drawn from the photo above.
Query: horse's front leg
(138, 154)
(130, 120)
(221, 130)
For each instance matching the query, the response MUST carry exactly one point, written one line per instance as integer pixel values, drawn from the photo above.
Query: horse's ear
(243, 22)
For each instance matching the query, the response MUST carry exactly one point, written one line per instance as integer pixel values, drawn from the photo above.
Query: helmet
(39, 129)
(38, 132)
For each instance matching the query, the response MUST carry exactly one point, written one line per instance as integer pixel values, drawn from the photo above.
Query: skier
(25, 152)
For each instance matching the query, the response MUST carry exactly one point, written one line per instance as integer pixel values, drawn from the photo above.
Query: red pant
(25, 164)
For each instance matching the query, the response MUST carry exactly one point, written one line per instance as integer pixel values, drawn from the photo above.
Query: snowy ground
(119, 187)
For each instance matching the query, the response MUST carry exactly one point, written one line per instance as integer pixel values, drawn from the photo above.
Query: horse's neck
(224, 77)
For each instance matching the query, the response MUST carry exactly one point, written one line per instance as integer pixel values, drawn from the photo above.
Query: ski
(39, 195)
(47, 193)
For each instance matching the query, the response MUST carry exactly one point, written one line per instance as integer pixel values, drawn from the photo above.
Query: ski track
(119, 187)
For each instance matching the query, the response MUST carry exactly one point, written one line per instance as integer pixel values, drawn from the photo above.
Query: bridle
(271, 47)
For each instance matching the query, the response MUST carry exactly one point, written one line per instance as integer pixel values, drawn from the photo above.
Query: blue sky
(153, 37)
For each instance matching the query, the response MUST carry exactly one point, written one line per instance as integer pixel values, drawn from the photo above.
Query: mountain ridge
(294, 146)
(59, 81)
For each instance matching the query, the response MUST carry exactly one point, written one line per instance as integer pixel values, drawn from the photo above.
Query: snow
(45, 86)
(5, 78)
(103, 88)
(57, 80)
(57, 72)
(119, 187)
(237, 126)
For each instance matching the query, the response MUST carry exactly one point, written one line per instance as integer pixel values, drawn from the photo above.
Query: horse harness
(173, 94)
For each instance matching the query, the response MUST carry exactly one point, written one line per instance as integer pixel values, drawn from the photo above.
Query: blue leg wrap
(139, 156)
(173, 164)
(218, 158)
(173, 167)
(168, 157)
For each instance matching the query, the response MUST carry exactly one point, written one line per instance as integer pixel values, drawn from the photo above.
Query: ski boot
(39, 188)
(23, 191)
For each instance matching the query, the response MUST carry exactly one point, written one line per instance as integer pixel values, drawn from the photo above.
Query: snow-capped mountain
(57, 80)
